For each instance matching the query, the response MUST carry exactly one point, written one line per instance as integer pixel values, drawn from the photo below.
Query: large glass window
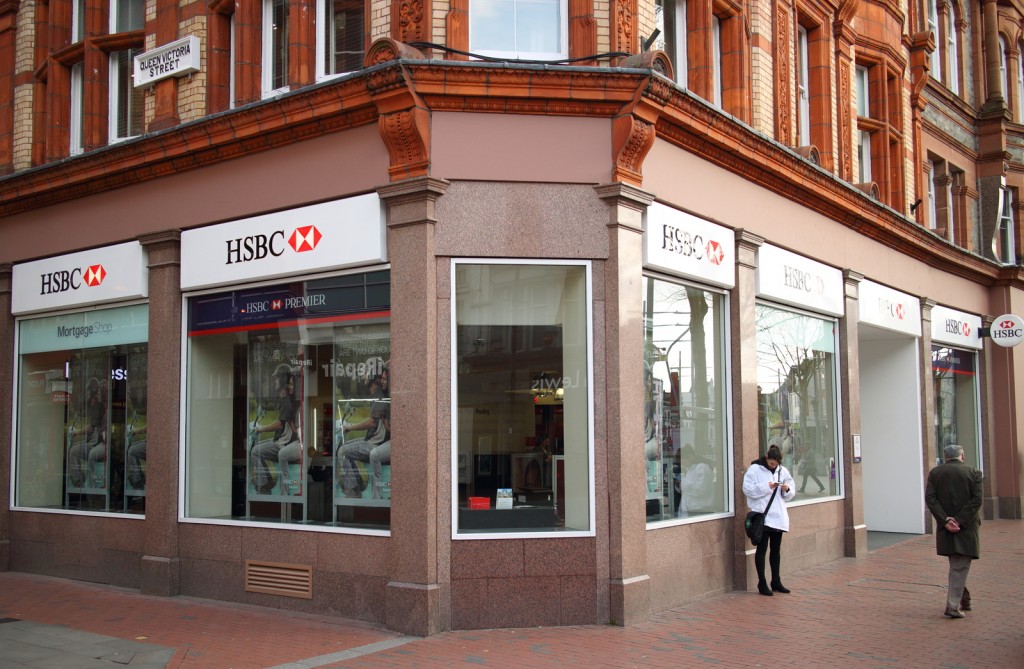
(955, 375)
(288, 416)
(531, 29)
(81, 421)
(522, 395)
(796, 385)
(685, 410)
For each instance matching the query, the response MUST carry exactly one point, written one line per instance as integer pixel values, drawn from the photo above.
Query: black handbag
(754, 523)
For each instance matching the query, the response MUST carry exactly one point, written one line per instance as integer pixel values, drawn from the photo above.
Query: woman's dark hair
(774, 453)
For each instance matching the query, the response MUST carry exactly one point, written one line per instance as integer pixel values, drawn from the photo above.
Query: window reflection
(797, 396)
(685, 436)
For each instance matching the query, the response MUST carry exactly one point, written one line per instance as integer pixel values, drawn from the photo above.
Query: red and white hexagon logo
(901, 311)
(305, 238)
(714, 252)
(94, 275)
(966, 329)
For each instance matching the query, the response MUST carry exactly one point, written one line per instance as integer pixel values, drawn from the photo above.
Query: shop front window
(522, 394)
(288, 412)
(81, 420)
(954, 373)
(796, 385)
(685, 417)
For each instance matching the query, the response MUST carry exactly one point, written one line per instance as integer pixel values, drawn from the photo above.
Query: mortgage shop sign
(175, 59)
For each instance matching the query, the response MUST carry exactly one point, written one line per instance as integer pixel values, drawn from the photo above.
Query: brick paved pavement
(879, 611)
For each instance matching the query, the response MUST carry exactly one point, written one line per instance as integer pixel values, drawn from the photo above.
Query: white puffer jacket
(755, 487)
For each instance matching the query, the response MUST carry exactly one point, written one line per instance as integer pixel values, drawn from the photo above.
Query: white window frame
(1003, 242)
(454, 417)
(934, 62)
(932, 222)
(863, 136)
(951, 52)
(1020, 84)
(269, 56)
(716, 55)
(727, 406)
(322, 17)
(563, 39)
(115, 99)
(803, 94)
(673, 40)
(75, 120)
(77, 20)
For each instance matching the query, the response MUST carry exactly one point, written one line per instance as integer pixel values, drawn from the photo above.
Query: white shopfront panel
(107, 274)
(792, 279)
(956, 328)
(890, 309)
(687, 246)
(320, 237)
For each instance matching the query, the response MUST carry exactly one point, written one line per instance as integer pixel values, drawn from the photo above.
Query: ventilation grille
(274, 578)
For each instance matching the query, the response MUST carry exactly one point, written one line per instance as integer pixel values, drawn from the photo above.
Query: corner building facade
(307, 308)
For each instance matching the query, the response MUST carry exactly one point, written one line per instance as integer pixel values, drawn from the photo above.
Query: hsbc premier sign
(956, 327)
(79, 279)
(1007, 330)
(331, 235)
(682, 244)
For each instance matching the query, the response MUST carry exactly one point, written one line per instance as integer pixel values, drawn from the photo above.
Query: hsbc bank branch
(503, 397)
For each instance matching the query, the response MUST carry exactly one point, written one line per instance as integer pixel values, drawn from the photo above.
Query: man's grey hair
(953, 452)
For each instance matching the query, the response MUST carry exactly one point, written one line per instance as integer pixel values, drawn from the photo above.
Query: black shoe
(763, 588)
(778, 587)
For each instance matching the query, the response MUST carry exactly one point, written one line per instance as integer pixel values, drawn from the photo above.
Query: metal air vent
(275, 578)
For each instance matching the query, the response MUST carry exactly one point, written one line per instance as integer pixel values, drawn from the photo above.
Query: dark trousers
(770, 539)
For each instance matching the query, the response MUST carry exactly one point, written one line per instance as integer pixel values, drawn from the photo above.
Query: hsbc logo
(895, 309)
(259, 247)
(957, 327)
(62, 281)
(1007, 325)
(714, 252)
(804, 281)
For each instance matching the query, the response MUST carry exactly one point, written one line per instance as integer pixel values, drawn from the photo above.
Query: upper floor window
(1004, 241)
(519, 29)
(1020, 84)
(863, 133)
(716, 55)
(952, 52)
(670, 20)
(127, 15)
(880, 129)
(77, 20)
(933, 26)
(339, 37)
(932, 222)
(275, 47)
(75, 124)
(126, 101)
(803, 107)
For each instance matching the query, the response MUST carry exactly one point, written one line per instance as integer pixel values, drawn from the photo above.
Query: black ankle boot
(763, 588)
(778, 587)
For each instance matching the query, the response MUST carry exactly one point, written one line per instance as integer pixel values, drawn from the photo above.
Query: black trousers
(771, 538)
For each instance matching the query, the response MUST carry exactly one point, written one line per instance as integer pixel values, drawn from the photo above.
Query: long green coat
(954, 490)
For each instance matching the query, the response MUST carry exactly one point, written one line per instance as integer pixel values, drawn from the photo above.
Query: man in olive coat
(953, 496)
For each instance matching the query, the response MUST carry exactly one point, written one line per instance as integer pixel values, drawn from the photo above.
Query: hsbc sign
(1007, 330)
(78, 279)
(958, 328)
(685, 245)
(890, 309)
(330, 235)
(793, 279)
(258, 247)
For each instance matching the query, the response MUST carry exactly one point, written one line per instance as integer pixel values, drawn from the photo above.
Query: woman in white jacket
(762, 477)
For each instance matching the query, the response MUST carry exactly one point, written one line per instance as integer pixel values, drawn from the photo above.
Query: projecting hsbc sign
(884, 307)
(956, 327)
(331, 235)
(1007, 330)
(79, 279)
(682, 244)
